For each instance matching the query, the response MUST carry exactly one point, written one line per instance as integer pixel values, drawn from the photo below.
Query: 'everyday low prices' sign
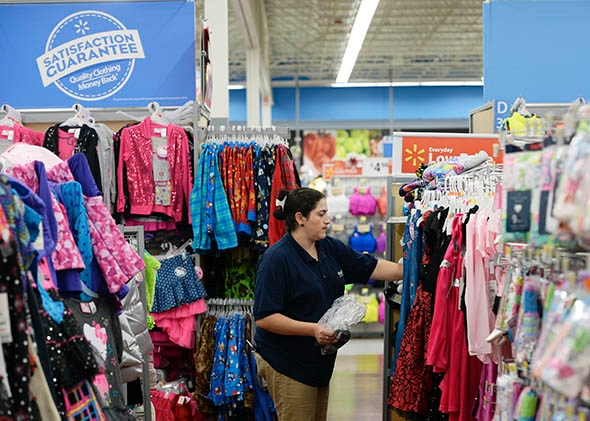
(413, 149)
(122, 54)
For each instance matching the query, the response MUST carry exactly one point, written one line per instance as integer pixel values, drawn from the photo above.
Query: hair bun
(279, 214)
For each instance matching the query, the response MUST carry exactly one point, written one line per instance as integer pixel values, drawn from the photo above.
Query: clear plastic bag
(345, 312)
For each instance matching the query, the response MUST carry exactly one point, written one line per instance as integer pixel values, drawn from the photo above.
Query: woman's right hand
(324, 335)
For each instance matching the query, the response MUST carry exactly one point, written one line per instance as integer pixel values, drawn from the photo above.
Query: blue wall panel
(426, 102)
(284, 108)
(237, 105)
(338, 104)
(344, 103)
(535, 49)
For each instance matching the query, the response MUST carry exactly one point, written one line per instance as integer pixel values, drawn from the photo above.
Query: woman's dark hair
(302, 200)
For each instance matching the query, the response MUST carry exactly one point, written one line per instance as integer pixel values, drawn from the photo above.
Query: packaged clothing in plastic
(567, 370)
(345, 312)
(573, 194)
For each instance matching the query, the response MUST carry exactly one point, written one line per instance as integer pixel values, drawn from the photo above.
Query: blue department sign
(90, 55)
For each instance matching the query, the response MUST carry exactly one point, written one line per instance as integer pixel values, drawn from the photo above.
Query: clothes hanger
(81, 117)
(519, 106)
(182, 115)
(157, 115)
(11, 118)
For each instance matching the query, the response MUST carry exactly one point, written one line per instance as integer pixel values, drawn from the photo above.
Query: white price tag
(5, 330)
(163, 131)
(9, 134)
(376, 166)
(75, 132)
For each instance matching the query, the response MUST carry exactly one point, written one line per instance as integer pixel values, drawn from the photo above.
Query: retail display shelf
(397, 220)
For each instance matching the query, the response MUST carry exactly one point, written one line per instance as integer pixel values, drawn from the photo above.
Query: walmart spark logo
(414, 155)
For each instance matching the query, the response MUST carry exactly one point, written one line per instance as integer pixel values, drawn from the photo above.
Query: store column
(253, 87)
(216, 12)
(266, 112)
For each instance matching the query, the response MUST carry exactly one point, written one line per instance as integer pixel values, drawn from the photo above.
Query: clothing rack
(230, 302)
(223, 306)
(241, 131)
(101, 114)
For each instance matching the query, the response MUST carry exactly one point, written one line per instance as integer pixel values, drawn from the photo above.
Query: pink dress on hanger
(447, 347)
(476, 290)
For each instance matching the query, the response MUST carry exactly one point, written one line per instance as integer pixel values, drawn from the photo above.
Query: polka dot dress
(177, 284)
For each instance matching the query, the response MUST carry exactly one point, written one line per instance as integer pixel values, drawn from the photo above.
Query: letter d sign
(501, 111)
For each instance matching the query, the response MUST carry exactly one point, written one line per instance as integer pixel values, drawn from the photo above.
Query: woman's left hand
(324, 335)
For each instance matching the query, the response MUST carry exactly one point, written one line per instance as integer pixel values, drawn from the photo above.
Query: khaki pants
(294, 400)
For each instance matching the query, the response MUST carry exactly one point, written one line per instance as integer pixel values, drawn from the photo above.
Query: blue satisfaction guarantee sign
(90, 55)
(111, 54)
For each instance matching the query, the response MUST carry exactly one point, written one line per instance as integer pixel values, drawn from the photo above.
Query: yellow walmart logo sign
(414, 155)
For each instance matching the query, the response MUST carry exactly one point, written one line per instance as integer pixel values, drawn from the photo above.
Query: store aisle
(356, 387)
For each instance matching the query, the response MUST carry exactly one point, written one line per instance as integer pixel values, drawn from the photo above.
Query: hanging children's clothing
(179, 297)
(101, 328)
(447, 347)
(209, 204)
(18, 133)
(522, 124)
(65, 257)
(285, 177)
(156, 161)
(63, 353)
(264, 165)
(106, 158)
(65, 141)
(412, 249)
(231, 379)
(413, 383)
(22, 153)
(237, 174)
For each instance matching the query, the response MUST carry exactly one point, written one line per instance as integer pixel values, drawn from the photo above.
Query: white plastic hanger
(182, 115)
(81, 117)
(11, 118)
(157, 115)
(519, 107)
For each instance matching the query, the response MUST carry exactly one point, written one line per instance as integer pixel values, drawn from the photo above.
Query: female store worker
(297, 280)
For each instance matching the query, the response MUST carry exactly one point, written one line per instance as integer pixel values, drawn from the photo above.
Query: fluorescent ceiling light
(312, 83)
(401, 84)
(394, 84)
(452, 83)
(356, 38)
(359, 84)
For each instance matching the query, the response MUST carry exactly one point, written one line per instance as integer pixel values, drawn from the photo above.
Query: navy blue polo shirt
(291, 282)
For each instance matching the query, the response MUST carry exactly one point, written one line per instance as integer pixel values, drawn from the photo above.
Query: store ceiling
(408, 41)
